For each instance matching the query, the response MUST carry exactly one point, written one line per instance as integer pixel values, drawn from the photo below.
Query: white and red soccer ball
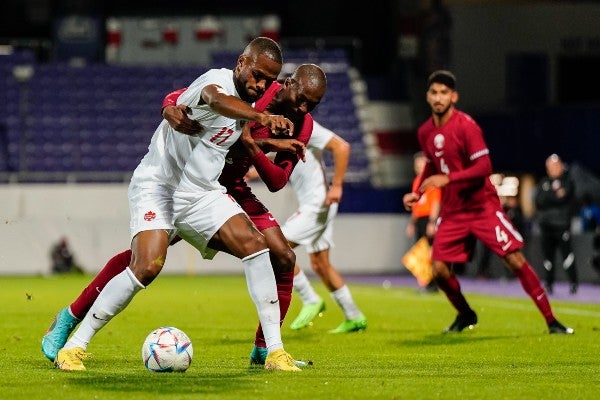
(167, 349)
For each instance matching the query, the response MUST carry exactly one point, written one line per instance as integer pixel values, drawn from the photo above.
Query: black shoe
(462, 321)
(431, 287)
(573, 288)
(557, 327)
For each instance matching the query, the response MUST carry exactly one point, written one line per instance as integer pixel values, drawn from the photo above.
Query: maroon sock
(451, 287)
(532, 285)
(113, 267)
(285, 284)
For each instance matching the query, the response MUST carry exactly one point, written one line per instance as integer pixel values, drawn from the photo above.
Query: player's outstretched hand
(276, 145)
(177, 117)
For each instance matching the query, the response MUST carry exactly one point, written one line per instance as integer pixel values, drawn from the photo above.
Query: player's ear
(455, 96)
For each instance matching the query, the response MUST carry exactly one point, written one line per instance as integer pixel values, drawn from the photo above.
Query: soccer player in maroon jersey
(459, 162)
(295, 98)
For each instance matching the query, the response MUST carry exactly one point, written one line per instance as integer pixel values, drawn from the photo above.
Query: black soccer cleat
(462, 321)
(557, 327)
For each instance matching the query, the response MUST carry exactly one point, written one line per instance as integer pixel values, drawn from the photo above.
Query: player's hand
(177, 117)
(334, 195)
(278, 124)
(409, 200)
(438, 181)
(276, 145)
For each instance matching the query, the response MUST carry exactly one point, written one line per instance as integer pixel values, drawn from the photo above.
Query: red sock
(113, 267)
(451, 287)
(532, 285)
(285, 284)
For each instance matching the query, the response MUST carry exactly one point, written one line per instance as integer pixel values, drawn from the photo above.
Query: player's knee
(284, 259)
(145, 270)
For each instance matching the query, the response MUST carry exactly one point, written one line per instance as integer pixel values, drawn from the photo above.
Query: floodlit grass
(402, 355)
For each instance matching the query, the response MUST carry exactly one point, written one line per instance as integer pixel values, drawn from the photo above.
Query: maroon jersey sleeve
(277, 173)
(477, 152)
(171, 98)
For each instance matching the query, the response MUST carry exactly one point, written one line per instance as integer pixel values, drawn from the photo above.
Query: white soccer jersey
(206, 162)
(308, 178)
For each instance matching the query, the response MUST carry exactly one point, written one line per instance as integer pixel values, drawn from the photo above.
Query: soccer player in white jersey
(312, 226)
(181, 171)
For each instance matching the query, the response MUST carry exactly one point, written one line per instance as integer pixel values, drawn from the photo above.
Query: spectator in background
(590, 223)
(425, 211)
(554, 201)
(63, 260)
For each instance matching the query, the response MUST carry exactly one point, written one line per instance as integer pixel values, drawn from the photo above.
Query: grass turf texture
(402, 355)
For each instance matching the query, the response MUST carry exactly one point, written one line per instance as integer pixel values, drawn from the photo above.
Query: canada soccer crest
(149, 216)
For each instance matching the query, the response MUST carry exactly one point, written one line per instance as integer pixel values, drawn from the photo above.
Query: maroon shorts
(457, 233)
(258, 213)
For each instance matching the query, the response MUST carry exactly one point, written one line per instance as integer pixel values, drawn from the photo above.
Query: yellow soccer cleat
(71, 359)
(280, 360)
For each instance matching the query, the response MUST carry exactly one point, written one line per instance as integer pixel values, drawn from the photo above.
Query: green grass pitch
(402, 355)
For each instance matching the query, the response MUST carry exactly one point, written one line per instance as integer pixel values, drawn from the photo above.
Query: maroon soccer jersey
(451, 149)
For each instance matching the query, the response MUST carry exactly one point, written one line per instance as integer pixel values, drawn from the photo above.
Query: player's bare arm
(340, 150)
(233, 107)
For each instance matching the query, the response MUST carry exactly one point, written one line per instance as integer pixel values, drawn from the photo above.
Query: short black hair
(442, 76)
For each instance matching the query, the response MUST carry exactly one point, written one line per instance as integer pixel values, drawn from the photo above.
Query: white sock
(344, 299)
(263, 291)
(115, 296)
(305, 290)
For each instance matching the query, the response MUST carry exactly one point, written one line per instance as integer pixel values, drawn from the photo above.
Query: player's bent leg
(58, 333)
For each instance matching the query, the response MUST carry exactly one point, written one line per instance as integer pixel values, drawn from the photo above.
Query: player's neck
(441, 119)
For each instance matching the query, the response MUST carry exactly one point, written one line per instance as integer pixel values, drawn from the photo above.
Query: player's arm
(340, 149)
(276, 173)
(176, 115)
(233, 107)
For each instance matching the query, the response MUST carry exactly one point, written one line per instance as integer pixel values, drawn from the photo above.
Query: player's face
(253, 75)
(440, 98)
(299, 98)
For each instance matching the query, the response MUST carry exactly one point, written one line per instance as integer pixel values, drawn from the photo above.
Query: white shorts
(311, 227)
(150, 209)
(198, 216)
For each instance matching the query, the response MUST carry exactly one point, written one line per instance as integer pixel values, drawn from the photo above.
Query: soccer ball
(167, 349)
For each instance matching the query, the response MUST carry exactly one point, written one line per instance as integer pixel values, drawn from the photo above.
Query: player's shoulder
(464, 118)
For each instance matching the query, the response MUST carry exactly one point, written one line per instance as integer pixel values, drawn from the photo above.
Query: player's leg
(453, 243)
(67, 319)
(497, 232)
(532, 285)
(448, 283)
(548, 244)
(339, 291)
(244, 241)
(312, 304)
(149, 251)
(283, 259)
